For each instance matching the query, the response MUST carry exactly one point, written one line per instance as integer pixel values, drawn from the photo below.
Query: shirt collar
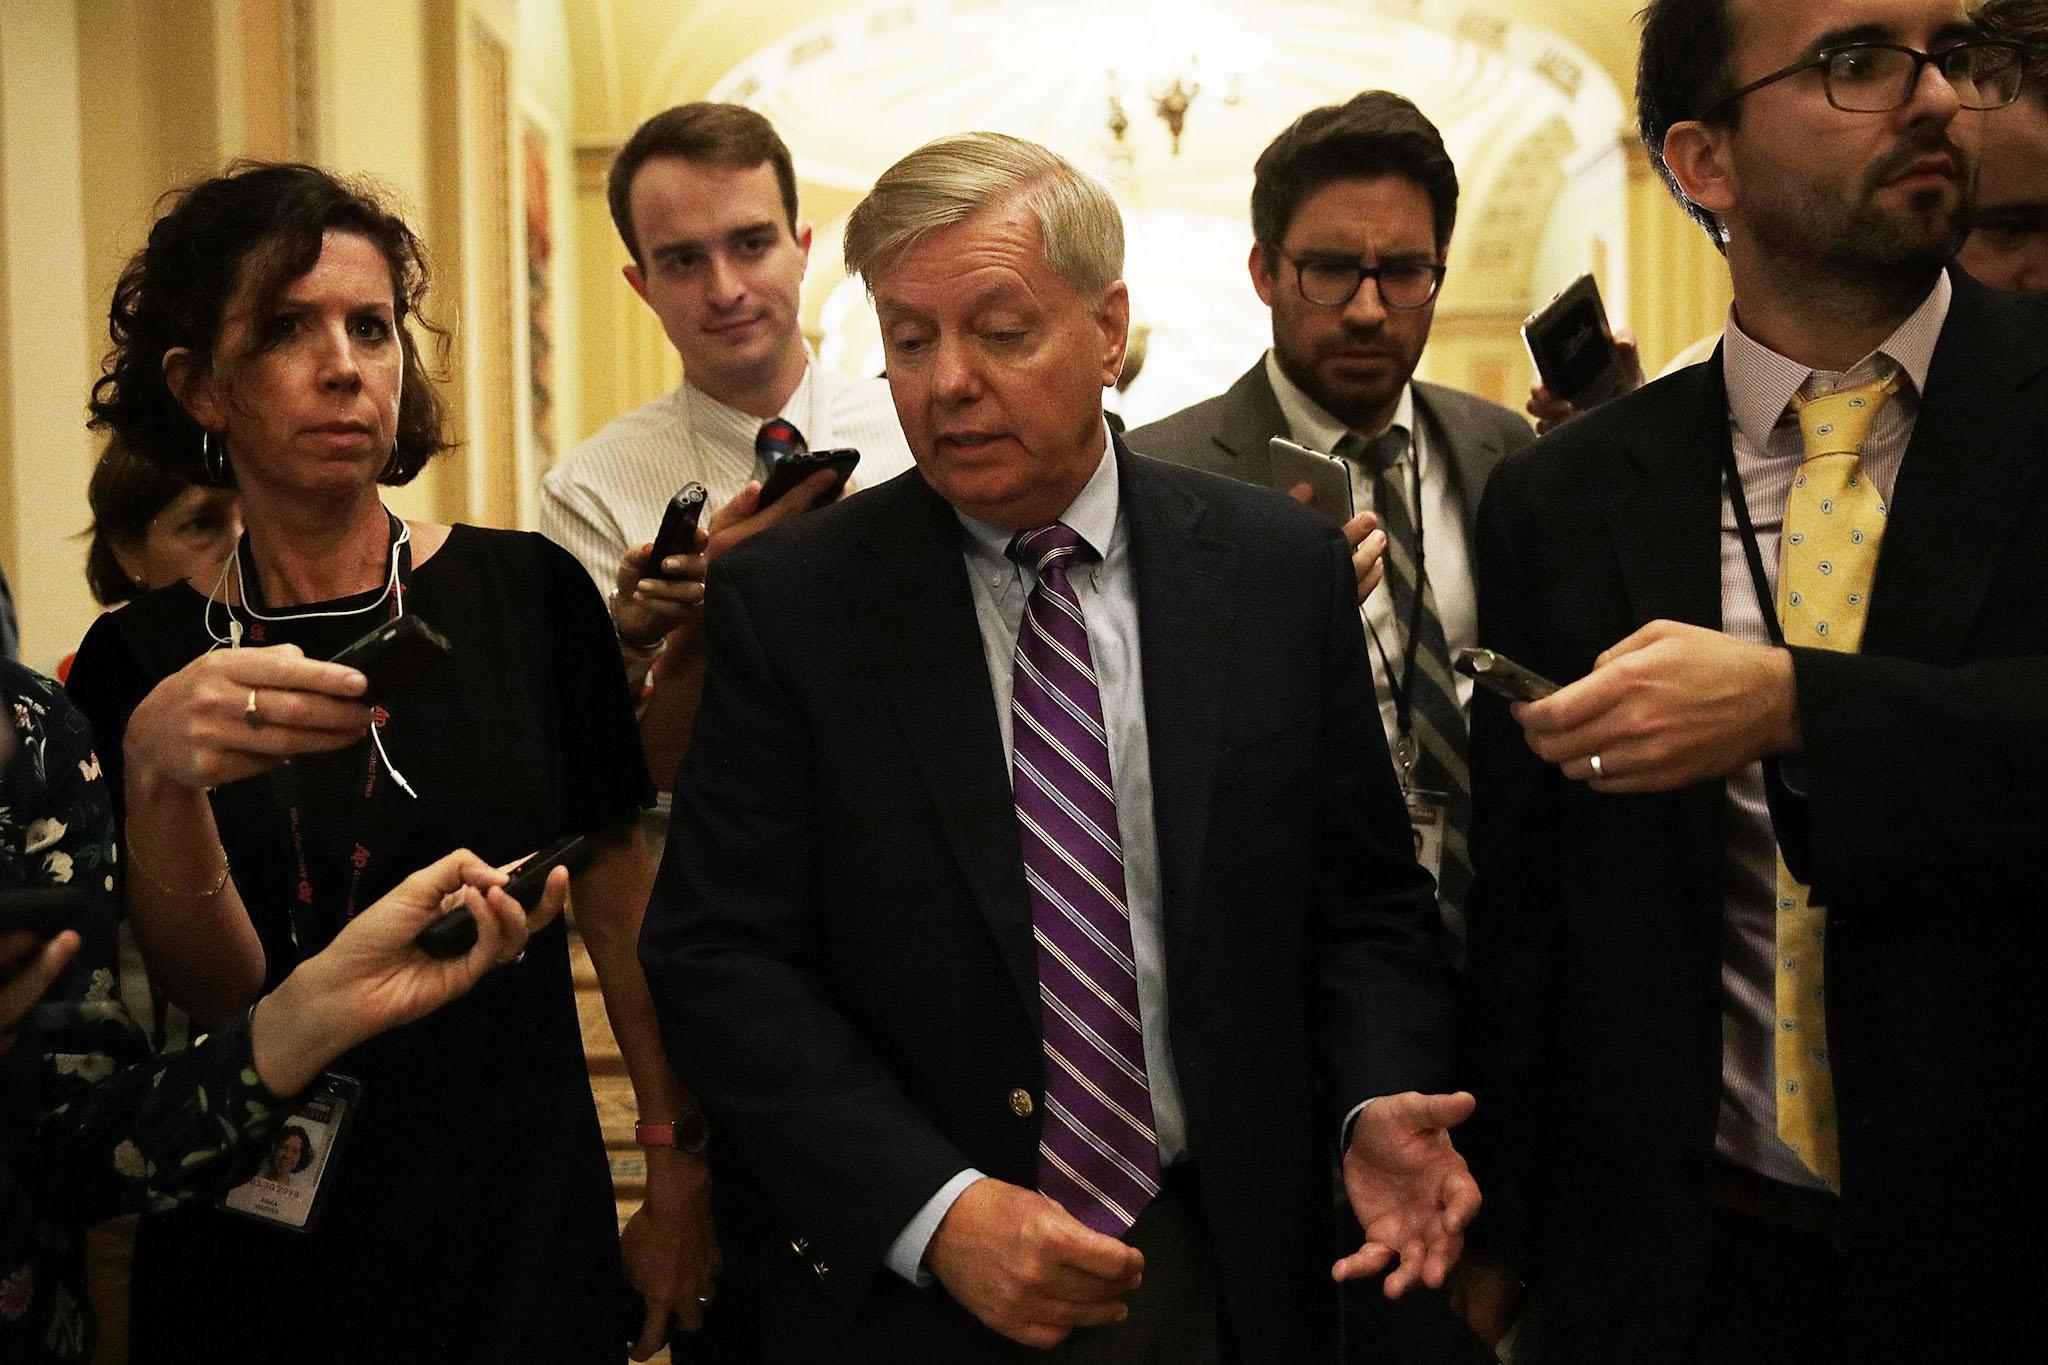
(1761, 382)
(708, 414)
(1311, 423)
(1091, 515)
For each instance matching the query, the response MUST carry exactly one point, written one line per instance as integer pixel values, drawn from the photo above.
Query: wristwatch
(690, 1133)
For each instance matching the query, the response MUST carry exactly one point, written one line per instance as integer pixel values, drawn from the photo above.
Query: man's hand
(649, 606)
(1409, 1189)
(1488, 1296)
(670, 1247)
(1669, 706)
(1363, 534)
(742, 516)
(648, 609)
(1552, 412)
(1027, 1268)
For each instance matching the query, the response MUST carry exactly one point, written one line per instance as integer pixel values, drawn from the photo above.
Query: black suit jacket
(840, 940)
(1915, 808)
(1227, 434)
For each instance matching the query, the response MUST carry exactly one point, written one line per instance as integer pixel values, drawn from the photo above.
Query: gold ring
(251, 714)
(1598, 771)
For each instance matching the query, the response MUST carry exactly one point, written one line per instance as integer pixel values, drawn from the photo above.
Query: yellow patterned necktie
(1834, 523)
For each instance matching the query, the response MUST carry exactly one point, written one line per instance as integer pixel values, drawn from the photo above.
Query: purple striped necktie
(1097, 1153)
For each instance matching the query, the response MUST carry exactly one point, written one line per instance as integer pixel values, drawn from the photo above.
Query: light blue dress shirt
(1109, 604)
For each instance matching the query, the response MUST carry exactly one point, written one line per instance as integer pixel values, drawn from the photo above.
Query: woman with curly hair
(264, 340)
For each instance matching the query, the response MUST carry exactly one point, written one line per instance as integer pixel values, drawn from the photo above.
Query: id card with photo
(1427, 815)
(286, 1189)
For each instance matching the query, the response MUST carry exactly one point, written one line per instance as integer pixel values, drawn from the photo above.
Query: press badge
(286, 1189)
(1427, 813)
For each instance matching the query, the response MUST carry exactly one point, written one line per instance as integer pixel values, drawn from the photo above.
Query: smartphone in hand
(788, 469)
(393, 654)
(454, 933)
(678, 533)
(1573, 348)
(1327, 476)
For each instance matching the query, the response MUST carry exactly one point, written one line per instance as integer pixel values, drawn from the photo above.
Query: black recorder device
(1502, 676)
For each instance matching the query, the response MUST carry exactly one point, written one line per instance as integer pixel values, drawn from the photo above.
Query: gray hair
(952, 179)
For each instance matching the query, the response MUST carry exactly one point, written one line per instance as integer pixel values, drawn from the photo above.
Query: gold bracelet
(208, 894)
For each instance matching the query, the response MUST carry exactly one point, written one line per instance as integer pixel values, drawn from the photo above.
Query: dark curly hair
(258, 227)
(305, 1138)
(1374, 133)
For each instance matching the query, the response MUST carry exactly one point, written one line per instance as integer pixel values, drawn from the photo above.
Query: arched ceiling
(644, 55)
(853, 85)
(1530, 95)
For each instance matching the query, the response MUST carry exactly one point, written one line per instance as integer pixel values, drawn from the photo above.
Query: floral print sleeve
(91, 1125)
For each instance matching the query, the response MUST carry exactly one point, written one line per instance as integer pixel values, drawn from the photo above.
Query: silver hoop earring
(213, 457)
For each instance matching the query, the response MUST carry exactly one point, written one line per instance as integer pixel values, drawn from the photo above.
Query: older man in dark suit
(1352, 211)
(1759, 935)
(1038, 917)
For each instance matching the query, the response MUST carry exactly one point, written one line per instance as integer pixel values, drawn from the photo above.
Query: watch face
(693, 1133)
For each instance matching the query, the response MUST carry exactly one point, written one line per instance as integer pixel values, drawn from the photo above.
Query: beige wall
(44, 372)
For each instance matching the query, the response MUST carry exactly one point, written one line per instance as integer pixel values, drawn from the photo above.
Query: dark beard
(1834, 253)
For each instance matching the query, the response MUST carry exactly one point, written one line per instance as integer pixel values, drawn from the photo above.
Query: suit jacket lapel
(916, 610)
(1474, 454)
(1181, 571)
(1976, 452)
(1251, 418)
(1666, 526)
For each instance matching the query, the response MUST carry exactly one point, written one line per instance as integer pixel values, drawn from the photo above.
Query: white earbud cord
(233, 638)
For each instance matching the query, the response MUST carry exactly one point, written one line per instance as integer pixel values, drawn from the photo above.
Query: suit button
(1020, 1103)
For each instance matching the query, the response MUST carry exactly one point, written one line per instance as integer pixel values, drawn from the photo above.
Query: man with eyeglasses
(1756, 950)
(1352, 210)
(2008, 245)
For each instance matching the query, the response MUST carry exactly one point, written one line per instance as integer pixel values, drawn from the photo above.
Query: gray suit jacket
(1227, 434)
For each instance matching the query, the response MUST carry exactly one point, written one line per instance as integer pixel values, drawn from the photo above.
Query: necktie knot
(778, 438)
(1838, 423)
(1047, 546)
(1379, 454)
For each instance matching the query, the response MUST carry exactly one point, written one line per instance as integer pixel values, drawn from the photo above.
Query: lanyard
(1739, 504)
(364, 810)
(1401, 686)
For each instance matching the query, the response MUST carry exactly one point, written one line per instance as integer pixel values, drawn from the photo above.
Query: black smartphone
(393, 654)
(787, 470)
(1573, 348)
(44, 911)
(1499, 674)
(454, 932)
(678, 533)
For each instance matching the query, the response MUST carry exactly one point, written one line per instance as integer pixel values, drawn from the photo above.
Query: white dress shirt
(1447, 552)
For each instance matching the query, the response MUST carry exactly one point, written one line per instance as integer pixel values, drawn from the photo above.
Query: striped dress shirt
(608, 495)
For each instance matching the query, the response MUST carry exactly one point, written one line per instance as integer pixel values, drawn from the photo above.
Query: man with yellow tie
(1758, 1028)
